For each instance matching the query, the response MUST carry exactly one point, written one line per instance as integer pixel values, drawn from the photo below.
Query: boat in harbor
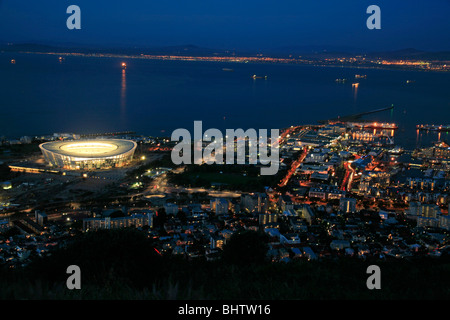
(374, 125)
(259, 77)
(396, 150)
(227, 69)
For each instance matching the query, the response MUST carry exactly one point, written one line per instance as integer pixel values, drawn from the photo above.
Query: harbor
(433, 127)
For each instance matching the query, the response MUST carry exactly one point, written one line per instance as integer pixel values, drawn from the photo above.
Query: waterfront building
(134, 220)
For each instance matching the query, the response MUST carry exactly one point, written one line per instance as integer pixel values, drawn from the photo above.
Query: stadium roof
(94, 148)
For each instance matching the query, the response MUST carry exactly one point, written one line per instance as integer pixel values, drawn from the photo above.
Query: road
(348, 178)
(293, 168)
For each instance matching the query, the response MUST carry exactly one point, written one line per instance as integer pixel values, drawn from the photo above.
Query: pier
(354, 117)
(433, 127)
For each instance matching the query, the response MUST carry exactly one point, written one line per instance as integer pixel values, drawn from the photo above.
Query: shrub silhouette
(245, 247)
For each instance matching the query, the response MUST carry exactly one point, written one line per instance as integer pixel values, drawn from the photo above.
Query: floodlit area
(89, 148)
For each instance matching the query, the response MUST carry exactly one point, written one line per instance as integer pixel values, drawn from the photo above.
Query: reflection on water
(123, 92)
(292, 94)
(355, 90)
(426, 139)
(384, 132)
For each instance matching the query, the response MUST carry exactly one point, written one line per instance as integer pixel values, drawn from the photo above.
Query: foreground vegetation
(123, 264)
(228, 177)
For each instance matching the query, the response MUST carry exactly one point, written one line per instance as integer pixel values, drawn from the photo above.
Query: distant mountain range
(342, 51)
(309, 50)
(193, 50)
(412, 53)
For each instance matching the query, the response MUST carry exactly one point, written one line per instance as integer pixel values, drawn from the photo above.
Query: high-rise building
(286, 203)
(444, 222)
(220, 205)
(216, 241)
(255, 202)
(135, 220)
(41, 217)
(304, 211)
(424, 210)
(267, 218)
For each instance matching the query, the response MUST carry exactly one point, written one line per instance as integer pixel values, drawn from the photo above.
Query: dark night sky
(244, 24)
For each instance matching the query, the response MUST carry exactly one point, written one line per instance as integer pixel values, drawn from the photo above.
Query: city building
(267, 218)
(290, 239)
(326, 192)
(304, 211)
(41, 217)
(216, 241)
(285, 203)
(5, 224)
(339, 244)
(254, 202)
(347, 205)
(220, 205)
(424, 210)
(444, 222)
(423, 221)
(171, 208)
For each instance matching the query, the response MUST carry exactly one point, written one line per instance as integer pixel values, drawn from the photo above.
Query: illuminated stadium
(88, 154)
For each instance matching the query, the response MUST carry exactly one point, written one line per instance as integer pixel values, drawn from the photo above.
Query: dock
(433, 127)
